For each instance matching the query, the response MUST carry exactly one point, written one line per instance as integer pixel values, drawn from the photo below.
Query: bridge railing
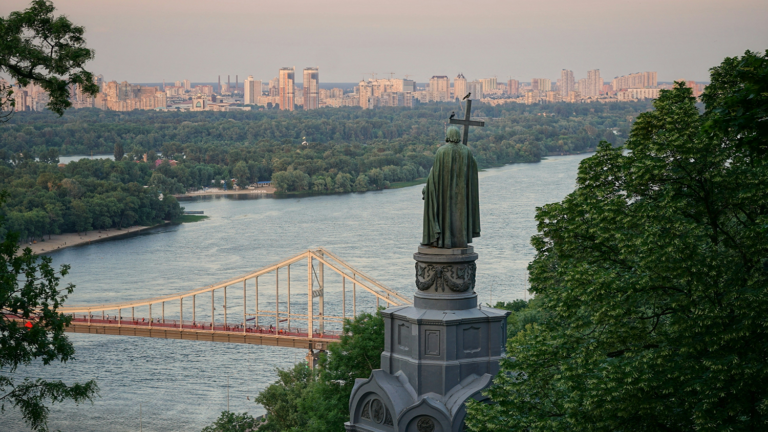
(174, 324)
(251, 314)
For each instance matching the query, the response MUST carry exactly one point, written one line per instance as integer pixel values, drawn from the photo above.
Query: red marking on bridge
(190, 325)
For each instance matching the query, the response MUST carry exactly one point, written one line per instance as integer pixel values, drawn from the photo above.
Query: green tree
(40, 48)
(231, 422)
(654, 279)
(343, 182)
(361, 184)
(119, 151)
(282, 399)
(242, 174)
(32, 329)
(81, 217)
(303, 399)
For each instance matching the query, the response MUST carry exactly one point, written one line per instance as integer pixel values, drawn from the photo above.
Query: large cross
(467, 122)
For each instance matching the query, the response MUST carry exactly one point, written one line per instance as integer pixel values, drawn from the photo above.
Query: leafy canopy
(37, 47)
(318, 400)
(32, 329)
(231, 422)
(653, 275)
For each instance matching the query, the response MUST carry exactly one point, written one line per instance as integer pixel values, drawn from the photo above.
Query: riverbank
(221, 192)
(61, 241)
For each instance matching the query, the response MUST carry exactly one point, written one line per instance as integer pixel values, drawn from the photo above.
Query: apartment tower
(251, 91)
(513, 87)
(459, 87)
(286, 84)
(439, 88)
(594, 83)
(311, 90)
(567, 83)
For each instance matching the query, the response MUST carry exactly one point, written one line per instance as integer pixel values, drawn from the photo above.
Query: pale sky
(148, 41)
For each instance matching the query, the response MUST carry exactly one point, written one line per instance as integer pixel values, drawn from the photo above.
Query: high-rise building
(251, 91)
(187, 85)
(459, 86)
(402, 85)
(476, 88)
(439, 88)
(287, 90)
(581, 87)
(541, 84)
(311, 88)
(567, 83)
(365, 92)
(635, 81)
(594, 84)
(513, 87)
(489, 84)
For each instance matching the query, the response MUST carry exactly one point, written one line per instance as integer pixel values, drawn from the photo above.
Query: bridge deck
(288, 338)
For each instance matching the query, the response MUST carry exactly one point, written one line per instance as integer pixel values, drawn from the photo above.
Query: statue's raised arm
(451, 204)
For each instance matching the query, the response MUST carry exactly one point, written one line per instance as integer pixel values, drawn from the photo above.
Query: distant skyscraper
(251, 91)
(635, 81)
(581, 87)
(488, 84)
(567, 83)
(439, 88)
(594, 83)
(311, 88)
(365, 93)
(476, 88)
(286, 88)
(513, 87)
(541, 84)
(459, 86)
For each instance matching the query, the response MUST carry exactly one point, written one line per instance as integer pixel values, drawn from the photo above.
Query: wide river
(182, 385)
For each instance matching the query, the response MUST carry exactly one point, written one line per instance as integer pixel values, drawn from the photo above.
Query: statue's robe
(451, 205)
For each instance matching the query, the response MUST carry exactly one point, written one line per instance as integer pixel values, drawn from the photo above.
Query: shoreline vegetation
(58, 242)
(346, 150)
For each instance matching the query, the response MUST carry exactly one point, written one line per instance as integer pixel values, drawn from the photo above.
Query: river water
(173, 385)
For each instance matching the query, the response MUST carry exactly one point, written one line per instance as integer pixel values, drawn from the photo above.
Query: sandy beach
(218, 191)
(61, 241)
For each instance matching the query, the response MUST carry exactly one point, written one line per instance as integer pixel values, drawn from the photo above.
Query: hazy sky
(148, 41)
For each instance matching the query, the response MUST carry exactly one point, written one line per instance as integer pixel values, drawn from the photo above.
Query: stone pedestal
(438, 353)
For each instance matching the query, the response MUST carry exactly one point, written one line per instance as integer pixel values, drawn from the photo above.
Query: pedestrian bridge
(258, 308)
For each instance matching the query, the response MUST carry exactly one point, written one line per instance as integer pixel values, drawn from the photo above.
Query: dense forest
(43, 199)
(322, 151)
(347, 149)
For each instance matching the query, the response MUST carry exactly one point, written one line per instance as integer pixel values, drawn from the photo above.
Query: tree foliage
(654, 278)
(44, 199)
(385, 145)
(231, 422)
(32, 329)
(304, 399)
(40, 48)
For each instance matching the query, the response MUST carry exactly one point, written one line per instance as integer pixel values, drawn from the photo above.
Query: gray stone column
(438, 353)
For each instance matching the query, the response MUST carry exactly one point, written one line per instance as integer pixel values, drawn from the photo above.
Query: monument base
(438, 353)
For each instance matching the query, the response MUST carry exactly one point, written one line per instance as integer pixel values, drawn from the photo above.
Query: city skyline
(139, 41)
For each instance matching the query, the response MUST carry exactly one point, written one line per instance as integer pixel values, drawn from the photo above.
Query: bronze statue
(451, 205)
